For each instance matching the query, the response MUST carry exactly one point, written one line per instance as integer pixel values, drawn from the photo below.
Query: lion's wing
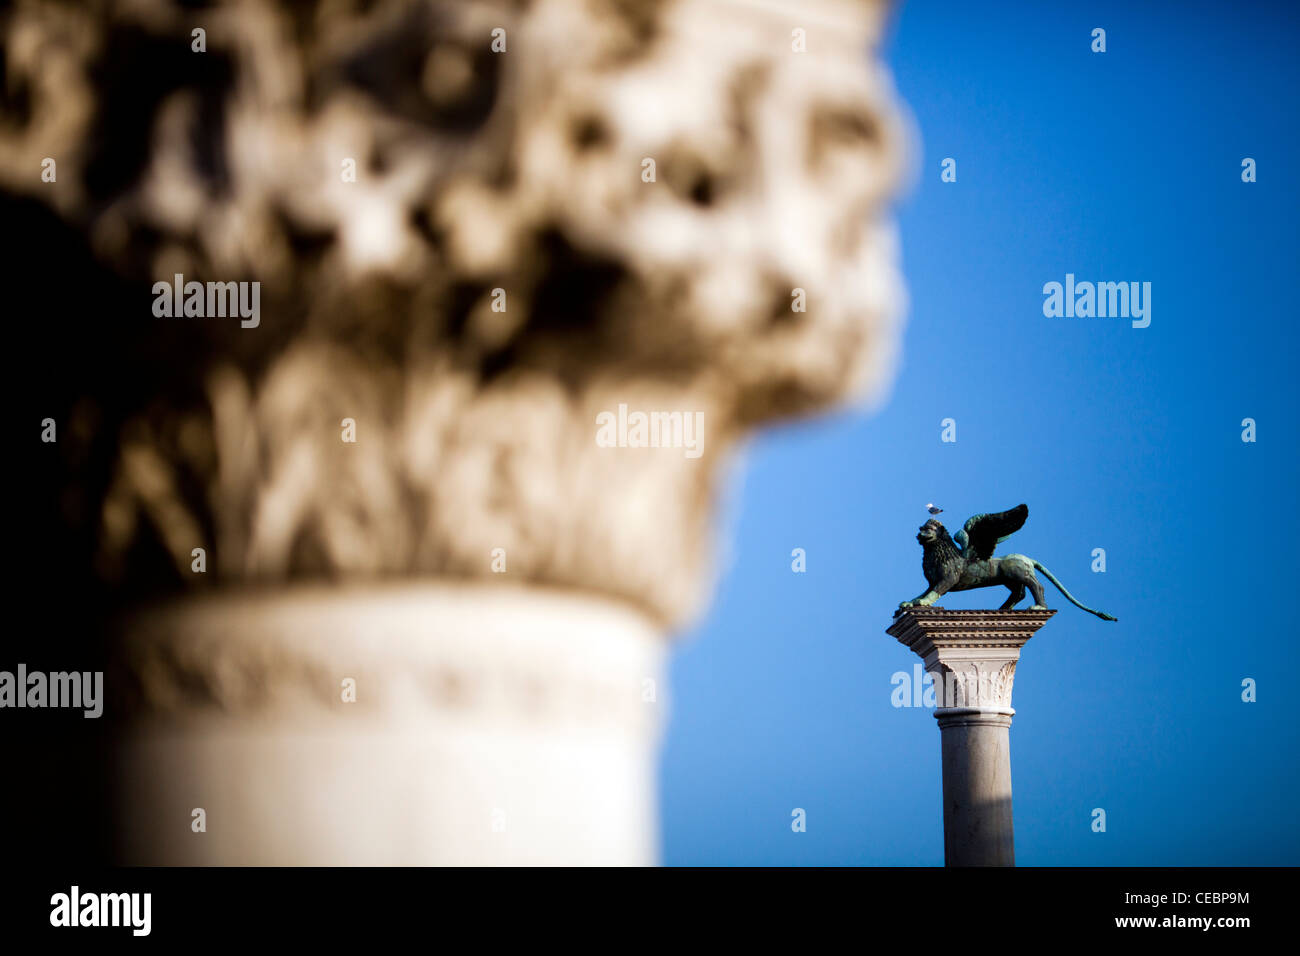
(982, 533)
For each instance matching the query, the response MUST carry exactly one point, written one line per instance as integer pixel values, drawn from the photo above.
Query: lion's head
(931, 532)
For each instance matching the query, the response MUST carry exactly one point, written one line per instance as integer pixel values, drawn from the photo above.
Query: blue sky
(1122, 166)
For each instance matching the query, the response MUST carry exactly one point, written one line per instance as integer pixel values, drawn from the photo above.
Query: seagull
(933, 510)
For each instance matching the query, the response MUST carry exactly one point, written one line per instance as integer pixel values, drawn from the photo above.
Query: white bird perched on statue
(933, 510)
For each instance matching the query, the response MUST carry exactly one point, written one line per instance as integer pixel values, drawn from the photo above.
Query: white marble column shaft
(972, 657)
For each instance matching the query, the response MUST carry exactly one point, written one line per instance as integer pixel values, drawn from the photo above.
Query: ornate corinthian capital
(512, 280)
(971, 655)
(476, 228)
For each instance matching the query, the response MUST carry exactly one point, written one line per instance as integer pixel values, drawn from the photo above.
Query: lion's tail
(1070, 597)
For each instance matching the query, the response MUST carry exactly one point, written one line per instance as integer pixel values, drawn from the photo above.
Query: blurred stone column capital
(525, 274)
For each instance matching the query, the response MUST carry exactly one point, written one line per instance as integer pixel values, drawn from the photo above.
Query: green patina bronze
(968, 562)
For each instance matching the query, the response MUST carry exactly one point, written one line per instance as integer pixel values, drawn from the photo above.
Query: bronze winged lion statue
(967, 562)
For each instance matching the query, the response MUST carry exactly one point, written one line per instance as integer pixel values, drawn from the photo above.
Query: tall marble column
(391, 724)
(972, 657)
(525, 275)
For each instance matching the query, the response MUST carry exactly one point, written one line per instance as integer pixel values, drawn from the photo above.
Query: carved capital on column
(422, 332)
(478, 229)
(972, 655)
